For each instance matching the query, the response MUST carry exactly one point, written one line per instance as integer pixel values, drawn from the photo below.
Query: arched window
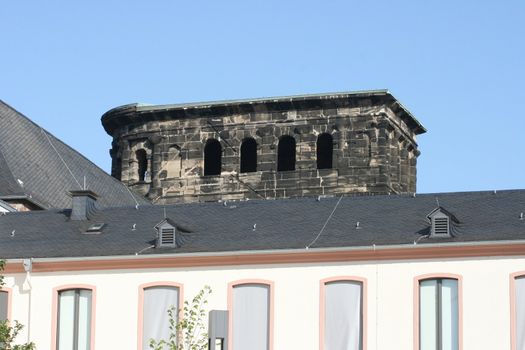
(155, 300)
(325, 147)
(248, 155)
(517, 304)
(142, 161)
(173, 162)
(286, 154)
(251, 311)
(117, 169)
(5, 304)
(342, 323)
(438, 302)
(212, 157)
(73, 317)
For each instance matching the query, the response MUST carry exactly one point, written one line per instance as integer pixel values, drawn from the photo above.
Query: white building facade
(388, 298)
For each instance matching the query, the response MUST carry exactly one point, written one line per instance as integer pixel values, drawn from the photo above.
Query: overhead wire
(59, 156)
(326, 223)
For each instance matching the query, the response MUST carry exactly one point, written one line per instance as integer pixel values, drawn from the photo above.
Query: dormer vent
(441, 226)
(440, 222)
(166, 234)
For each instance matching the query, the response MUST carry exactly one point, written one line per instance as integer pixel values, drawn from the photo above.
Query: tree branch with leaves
(8, 331)
(188, 332)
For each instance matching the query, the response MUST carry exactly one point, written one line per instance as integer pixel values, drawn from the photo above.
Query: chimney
(83, 204)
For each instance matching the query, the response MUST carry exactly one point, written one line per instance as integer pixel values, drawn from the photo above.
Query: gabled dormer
(440, 222)
(166, 234)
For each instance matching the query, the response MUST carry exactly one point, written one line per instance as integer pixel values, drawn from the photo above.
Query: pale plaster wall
(390, 306)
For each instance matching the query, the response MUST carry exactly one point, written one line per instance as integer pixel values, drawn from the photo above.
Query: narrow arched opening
(286, 154)
(142, 161)
(116, 170)
(212, 157)
(248, 155)
(325, 148)
(173, 163)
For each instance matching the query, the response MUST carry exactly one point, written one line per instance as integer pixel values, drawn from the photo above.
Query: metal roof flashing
(171, 254)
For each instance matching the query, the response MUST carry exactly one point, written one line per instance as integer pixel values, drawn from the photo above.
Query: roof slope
(37, 165)
(279, 224)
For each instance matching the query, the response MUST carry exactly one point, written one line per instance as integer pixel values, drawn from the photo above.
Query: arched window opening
(74, 311)
(212, 157)
(117, 169)
(439, 322)
(517, 307)
(325, 148)
(342, 324)
(4, 305)
(173, 162)
(248, 156)
(251, 310)
(157, 299)
(142, 161)
(286, 154)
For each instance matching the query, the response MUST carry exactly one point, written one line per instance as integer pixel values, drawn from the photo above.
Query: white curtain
(432, 307)
(520, 313)
(3, 306)
(66, 320)
(428, 314)
(449, 314)
(157, 301)
(251, 317)
(343, 316)
(84, 320)
(74, 310)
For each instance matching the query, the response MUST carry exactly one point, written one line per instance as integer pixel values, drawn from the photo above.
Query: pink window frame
(140, 319)
(54, 307)
(322, 285)
(9, 292)
(233, 284)
(429, 276)
(512, 296)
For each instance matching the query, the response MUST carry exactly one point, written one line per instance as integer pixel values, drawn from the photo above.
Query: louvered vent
(441, 226)
(167, 237)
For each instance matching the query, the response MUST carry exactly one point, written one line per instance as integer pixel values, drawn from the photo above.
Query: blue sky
(458, 66)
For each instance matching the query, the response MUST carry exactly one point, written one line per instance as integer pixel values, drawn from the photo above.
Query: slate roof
(279, 224)
(33, 165)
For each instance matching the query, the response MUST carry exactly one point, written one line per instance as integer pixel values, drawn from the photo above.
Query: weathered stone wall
(374, 151)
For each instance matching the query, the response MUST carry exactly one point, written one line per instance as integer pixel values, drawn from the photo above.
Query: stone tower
(308, 145)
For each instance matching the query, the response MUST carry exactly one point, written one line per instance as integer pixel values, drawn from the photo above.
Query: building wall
(374, 151)
(390, 295)
(21, 205)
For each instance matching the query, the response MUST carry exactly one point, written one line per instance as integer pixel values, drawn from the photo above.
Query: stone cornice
(139, 113)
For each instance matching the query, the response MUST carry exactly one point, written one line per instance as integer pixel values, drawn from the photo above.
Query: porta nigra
(283, 147)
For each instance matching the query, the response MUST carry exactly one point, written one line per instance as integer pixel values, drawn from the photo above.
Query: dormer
(440, 222)
(166, 234)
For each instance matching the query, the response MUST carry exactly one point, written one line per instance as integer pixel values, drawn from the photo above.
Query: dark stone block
(292, 183)
(285, 175)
